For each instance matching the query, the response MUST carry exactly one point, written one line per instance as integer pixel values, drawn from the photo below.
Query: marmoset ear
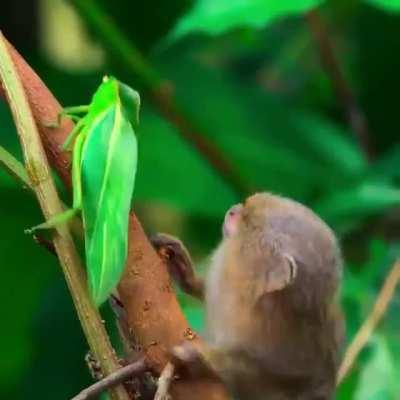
(279, 271)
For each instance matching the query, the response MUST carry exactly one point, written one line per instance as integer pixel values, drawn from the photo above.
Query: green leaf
(363, 200)
(173, 173)
(26, 271)
(218, 16)
(386, 168)
(329, 144)
(275, 146)
(195, 316)
(379, 377)
(387, 5)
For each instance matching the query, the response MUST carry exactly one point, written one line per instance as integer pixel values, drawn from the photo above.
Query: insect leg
(73, 113)
(74, 110)
(55, 220)
(73, 134)
(77, 190)
(76, 171)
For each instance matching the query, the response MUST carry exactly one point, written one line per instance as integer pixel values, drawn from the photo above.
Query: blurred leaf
(346, 389)
(170, 171)
(330, 144)
(218, 16)
(379, 378)
(362, 281)
(162, 14)
(275, 146)
(26, 269)
(363, 200)
(59, 347)
(387, 5)
(375, 69)
(195, 316)
(386, 167)
(193, 310)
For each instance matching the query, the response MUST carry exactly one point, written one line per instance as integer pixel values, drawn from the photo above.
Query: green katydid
(104, 160)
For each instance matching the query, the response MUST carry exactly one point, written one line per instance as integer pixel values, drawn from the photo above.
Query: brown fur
(273, 327)
(273, 324)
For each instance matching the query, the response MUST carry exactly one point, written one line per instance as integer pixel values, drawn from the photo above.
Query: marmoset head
(269, 224)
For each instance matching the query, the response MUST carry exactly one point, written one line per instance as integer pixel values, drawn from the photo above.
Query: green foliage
(379, 377)
(387, 5)
(167, 162)
(262, 99)
(20, 295)
(218, 16)
(357, 202)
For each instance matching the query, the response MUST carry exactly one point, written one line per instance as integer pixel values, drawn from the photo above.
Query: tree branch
(378, 311)
(112, 380)
(354, 114)
(40, 177)
(153, 312)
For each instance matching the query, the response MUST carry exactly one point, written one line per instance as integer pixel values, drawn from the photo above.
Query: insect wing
(109, 161)
(130, 100)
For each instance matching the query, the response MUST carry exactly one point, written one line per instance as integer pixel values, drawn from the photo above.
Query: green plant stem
(14, 168)
(39, 174)
(115, 42)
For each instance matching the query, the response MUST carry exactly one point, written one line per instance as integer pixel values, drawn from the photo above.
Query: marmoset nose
(232, 219)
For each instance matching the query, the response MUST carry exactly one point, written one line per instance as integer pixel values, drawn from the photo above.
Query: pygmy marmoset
(273, 324)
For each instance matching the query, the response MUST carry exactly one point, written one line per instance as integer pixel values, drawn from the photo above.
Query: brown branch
(153, 311)
(354, 114)
(112, 380)
(363, 335)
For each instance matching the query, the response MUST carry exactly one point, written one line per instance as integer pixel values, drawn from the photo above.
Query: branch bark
(354, 114)
(151, 305)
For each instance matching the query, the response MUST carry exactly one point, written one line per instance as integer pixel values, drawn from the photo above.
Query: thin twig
(134, 62)
(14, 168)
(39, 174)
(354, 114)
(112, 380)
(164, 382)
(363, 335)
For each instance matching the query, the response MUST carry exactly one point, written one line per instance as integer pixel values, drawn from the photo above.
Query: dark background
(252, 81)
